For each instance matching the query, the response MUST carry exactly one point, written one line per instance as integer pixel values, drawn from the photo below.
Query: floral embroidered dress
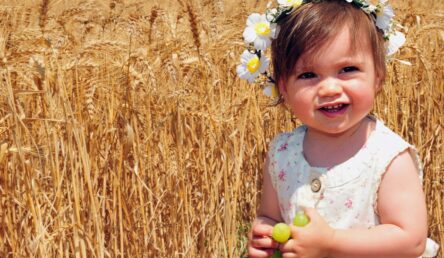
(345, 195)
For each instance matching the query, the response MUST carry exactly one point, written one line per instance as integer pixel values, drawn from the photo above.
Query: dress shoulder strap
(282, 147)
(387, 145)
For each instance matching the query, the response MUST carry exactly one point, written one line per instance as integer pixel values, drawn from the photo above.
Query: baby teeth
(333, 107)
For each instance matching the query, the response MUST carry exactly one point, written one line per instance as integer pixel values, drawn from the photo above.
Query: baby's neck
(322, 150)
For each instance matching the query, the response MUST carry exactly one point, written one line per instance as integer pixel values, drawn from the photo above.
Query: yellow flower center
(253, 65)
(296, 3)
(262, 29)
(274, 92)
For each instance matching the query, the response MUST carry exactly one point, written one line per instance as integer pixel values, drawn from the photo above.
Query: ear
(282, 86)
(378, 85)
(379, 81)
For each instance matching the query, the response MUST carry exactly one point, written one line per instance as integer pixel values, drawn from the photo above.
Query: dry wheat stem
(124, 130)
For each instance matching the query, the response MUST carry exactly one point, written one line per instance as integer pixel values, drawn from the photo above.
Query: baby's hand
(260, 242)
(310, 241)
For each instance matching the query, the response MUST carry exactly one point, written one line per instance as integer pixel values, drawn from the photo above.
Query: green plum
(281, 232)
(301, 219)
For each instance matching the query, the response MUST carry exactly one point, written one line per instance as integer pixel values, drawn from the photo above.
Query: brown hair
(312, 25)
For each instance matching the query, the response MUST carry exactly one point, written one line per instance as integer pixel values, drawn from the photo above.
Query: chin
(333, 130)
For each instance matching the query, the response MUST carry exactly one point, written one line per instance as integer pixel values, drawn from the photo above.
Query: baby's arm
(260, 241)
(403, 217)
(269, 204)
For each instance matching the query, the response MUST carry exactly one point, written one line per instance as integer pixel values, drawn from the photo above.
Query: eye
(308, 75)
(349, 69)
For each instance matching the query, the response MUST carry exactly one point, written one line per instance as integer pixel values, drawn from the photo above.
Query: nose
(329, 87)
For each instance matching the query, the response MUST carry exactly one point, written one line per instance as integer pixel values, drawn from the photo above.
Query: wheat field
(124, 131)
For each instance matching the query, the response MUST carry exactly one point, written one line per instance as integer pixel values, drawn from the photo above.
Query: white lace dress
(345, 195)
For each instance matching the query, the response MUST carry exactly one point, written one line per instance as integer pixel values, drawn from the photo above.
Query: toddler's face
(334, 88)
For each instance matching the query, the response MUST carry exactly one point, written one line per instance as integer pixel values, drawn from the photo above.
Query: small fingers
(287, 247)
(259, 253)
(263, 242)
(311, 213)
(289, 255)
(262, 230)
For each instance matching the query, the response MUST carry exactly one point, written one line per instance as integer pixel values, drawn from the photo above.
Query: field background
(124, 131)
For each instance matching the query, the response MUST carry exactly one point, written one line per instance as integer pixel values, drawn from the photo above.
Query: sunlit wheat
(124, 131)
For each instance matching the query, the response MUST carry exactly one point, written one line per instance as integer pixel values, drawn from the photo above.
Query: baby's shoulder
(387, 145)
(385, 138)
(286, 140)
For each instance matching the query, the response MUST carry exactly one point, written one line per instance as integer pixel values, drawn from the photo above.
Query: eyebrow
(358, 61)
(346, 61)
(302, 68)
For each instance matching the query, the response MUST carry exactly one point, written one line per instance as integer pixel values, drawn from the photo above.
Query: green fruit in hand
(300, 219)
(277, 254)
(281, 232)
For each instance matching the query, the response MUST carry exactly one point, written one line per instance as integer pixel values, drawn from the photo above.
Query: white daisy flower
(259, 31)
(251, 66)
(396, 40)
(290, 3)
(384, 15)
(271, 14)
(371, 8)
(270, 90)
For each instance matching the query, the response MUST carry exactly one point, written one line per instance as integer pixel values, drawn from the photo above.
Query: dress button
(316, 185)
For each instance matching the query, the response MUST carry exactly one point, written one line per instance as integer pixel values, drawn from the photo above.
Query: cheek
(364, 99)
(299, 101)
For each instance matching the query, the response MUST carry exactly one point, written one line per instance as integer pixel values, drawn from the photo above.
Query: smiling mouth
(334, 108)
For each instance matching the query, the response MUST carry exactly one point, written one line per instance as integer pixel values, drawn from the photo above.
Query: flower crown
(263, 28)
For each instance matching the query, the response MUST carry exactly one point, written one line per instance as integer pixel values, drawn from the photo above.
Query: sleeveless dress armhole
(381, 172)
(276, 144)
(391, 146)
